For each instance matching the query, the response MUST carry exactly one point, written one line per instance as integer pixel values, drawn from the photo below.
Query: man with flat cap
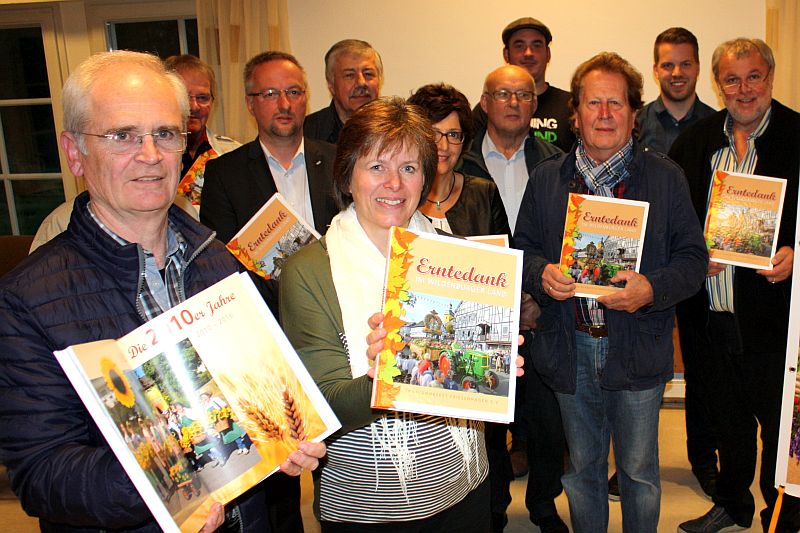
(526, 43)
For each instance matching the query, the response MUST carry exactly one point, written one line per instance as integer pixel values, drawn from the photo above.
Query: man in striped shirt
(739, 319)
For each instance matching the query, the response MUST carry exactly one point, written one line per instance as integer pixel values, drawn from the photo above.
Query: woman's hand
(216, 517)
(375, 340)
(306, 456)
(520, 359)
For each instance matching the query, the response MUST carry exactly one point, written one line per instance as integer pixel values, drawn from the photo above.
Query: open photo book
(601, 237)
(451, 312)
(743, 219)
(274, 233)
(202, 402)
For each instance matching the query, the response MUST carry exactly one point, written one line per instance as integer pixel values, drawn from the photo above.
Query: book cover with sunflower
(201, 403)
(274, 233)
(601, 237)
(451, 312)
(743, 219)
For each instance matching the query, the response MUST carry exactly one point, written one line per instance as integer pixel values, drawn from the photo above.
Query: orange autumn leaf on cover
(186, 186)
(712, 217)
(396, 292)
(245, 259)
(571, 223)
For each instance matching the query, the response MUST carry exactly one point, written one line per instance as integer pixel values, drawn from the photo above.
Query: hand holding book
(637, 292)
(556, 284)
(782, 263)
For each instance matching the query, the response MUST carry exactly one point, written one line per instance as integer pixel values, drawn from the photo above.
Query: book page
(452, 316)
(208, 398)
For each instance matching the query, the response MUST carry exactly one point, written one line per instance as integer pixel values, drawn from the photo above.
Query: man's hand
(306, 456)
(782, 265)
(529, 312)
(556, 284)
(637, 292)
(216, 517)
(715, 268)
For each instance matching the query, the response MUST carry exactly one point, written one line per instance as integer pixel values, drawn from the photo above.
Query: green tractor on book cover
(469, 367)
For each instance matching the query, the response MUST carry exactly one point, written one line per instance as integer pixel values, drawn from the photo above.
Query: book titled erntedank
(451, 312)
(274, 233)
(743, 219)
(202, 402)
(602, 236)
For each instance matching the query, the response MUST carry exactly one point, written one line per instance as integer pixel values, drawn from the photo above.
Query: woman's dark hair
(383, 125)
(438, 100)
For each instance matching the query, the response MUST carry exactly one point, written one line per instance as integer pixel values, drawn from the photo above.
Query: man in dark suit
(238, 183)
(280, 159)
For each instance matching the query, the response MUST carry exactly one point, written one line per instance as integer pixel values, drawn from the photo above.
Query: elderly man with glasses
(739, 319)
(507, 152)
(127, 256)
(201, 145)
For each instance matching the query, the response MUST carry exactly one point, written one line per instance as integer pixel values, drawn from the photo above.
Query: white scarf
(358, 269)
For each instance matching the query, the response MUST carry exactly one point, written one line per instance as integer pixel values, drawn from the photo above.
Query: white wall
(424, 41)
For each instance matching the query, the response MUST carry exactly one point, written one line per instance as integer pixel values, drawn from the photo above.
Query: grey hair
(739, 48)
(76, 92)
(351, 47)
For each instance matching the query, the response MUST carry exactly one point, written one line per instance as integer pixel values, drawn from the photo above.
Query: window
(162, 37)
(30, 170)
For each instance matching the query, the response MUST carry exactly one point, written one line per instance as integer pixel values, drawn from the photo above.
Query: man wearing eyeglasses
(127, 256)
(280, 159)
(506, 153)
(739, 319)
(202, 144)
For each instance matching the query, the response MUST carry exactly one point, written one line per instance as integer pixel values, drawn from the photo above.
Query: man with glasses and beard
(739, 320)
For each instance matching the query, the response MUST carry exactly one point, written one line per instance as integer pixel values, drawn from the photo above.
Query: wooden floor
(681, 499)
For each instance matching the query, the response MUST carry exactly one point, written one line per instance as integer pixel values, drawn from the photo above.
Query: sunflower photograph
(117, 382)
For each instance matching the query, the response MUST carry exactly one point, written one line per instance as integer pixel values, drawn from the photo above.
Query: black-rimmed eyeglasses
(453, 137)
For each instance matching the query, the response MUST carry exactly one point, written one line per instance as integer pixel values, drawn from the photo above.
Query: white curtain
(783, 36)
(230, 33)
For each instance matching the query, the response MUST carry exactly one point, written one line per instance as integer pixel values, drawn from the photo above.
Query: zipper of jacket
(140, 284)
(198, 251)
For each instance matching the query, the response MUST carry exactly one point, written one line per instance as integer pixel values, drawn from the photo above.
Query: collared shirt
(720, 287)
(658, 129)
(292, 182)
(158, 293)
(510, 175)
